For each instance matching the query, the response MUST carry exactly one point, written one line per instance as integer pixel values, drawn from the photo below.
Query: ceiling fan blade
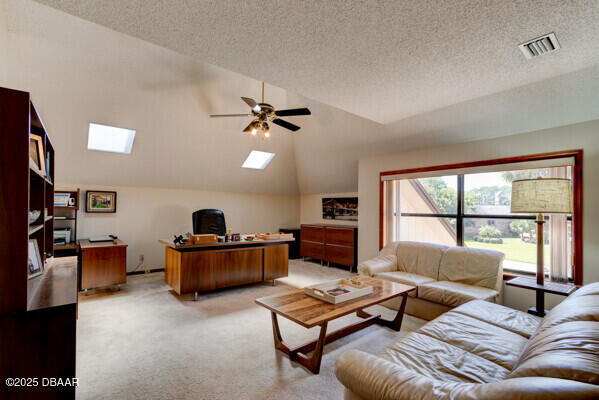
(230, 115)
(293, 111)
(285, 124)
(252, 103)
(249, 127)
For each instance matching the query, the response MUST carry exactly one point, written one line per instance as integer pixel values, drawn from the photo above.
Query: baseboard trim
(144, 271)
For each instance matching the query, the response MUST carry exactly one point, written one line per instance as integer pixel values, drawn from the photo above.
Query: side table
(102, 263)
(562, 289)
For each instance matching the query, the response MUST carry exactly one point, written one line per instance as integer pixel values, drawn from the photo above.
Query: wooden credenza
(206, 267)
(103, 263)
(332, 243)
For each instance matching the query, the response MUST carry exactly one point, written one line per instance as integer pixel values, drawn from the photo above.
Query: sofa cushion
(419, 258)
(582, 305)
(454, 294)
(519, 322)
(485, 340)
(477, 267)
(406, 278)
(433, 358)
(592, 289)
(382, 263)
(567, 351)
(578, 308)
(366, 376)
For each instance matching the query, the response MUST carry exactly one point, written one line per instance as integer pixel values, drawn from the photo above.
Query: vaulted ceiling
(382, 60)
(379, 77)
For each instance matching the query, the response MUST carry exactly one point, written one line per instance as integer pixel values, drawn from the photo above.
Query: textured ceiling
(382, 60)
(81, 72)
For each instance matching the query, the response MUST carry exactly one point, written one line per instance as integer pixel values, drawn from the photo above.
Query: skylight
(258, 159)
(110, 138)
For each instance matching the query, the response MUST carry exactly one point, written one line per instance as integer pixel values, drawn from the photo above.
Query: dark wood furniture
(209, 266)
(309, 312)
(524, 282)
(336, 244)
(38, 315)
(66, 217)
(294, 247)
(103, 263)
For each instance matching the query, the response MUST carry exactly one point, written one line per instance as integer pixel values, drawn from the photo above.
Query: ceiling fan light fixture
(254, 126)
(263, 113)
(265, 130)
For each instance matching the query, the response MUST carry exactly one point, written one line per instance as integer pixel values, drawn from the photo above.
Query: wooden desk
(103, 263)
(209, 266)
(41, 342)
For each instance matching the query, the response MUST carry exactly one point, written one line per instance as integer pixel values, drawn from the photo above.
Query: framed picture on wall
(35, 266)
(100, 202)
(37, 157)
(340, 208)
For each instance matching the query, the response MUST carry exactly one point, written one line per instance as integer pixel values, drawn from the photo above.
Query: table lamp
(541, 196)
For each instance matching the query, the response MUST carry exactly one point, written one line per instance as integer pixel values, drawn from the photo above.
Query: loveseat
(482, 350)
(445, 277)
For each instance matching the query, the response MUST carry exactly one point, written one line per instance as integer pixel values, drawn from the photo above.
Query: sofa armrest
(372, 377)
(386, 263)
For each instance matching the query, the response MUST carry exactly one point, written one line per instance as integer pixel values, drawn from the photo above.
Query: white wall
(78, 72)
(311, 209)
(145, 215)
(578, 136)
(3, 45)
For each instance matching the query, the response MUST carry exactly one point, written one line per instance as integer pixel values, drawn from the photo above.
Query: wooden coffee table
(309, 312)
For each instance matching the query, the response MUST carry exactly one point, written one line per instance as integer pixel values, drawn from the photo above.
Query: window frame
(576, 217)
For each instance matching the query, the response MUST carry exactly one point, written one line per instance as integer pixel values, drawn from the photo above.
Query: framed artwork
(37, 157)
(100, 202)
(35, 266)
(340, 208)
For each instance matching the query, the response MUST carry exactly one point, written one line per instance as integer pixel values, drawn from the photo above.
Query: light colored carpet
(146, 342)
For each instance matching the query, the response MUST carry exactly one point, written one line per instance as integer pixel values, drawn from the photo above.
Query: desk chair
(209, 221)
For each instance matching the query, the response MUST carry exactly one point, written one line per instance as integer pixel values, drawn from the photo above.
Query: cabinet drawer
(312, 250)
(340, 255)
(312, 233)
(344, 237)
(276, 261)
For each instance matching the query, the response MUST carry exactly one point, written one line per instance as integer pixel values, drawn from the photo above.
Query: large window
(473, 209)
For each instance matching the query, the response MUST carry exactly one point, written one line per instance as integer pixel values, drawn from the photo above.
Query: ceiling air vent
(539, 46)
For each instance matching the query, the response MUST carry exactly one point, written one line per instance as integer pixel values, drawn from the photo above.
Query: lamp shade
(542, 196)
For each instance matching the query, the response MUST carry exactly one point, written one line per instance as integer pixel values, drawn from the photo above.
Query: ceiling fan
(264, 113)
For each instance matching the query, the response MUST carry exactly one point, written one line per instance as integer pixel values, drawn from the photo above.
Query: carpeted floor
(146, 342)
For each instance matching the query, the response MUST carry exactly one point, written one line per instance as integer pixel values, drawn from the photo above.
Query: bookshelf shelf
(66, 217)
(35, 228)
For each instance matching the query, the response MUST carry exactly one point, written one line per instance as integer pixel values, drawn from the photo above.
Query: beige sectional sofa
(481, 350)
(445, 277)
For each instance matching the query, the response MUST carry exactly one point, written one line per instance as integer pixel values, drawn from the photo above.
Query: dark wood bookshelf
(37, 315)
(66, 217)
